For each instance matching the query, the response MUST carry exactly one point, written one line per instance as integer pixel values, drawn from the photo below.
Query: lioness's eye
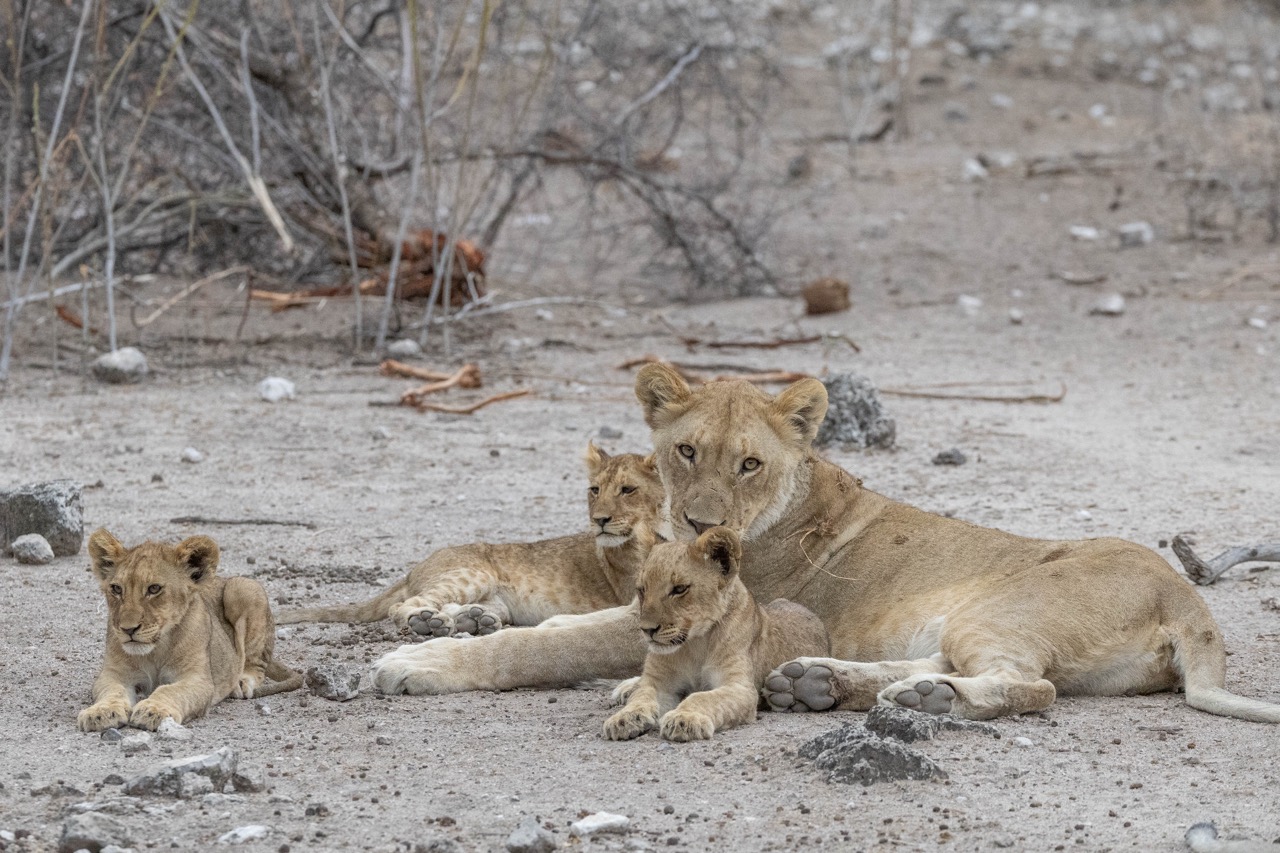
(626, 490)
(154, 589)
(595, 490)
(116, 590)
(679, 589)
(686, 450)
(750, 463)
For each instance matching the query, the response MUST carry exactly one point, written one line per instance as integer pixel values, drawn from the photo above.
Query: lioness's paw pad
(928, 696)
(684, 726)
(800, 686)
(477, 620)
(97, 718)
(429, 623)
(626, 724)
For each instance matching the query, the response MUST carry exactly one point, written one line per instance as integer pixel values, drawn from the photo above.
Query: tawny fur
(526, 583)
(196, 638)
(710, 644)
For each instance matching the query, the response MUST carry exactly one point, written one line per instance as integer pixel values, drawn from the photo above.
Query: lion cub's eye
(626, 490)
(679, 589)
(116, 590)
(750, 463)
(595, 490)
(154, 589)
(686, 450)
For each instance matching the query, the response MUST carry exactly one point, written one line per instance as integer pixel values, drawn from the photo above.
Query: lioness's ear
(200, 556)
(594, 457)
(802, 406)
(721, 547)
(105, 551)
(660, 390)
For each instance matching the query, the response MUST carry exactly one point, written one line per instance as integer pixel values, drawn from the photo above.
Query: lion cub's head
(730, 454)
(150, 586)
(624, 496)
(684, 588)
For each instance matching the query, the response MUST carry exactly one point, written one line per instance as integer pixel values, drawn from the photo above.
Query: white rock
(380, 433)
(404, 348)
(241, 834)
(172, 730)
(34, 550)
(124, 366)
(1083, 515)
(190, 454)
(1085, 232)
(973, 170)
(273, 389)
(1136, 234)
(1023, 742)
(544, 314)
(1111, 305)
(970, 305)
(1001, 101)
(1016, 316)
(600, 822)
(1256, 322)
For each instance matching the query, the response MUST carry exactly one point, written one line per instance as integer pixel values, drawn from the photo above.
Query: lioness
(177, 634)
(709, 642)
(477, 589)
(960, 618)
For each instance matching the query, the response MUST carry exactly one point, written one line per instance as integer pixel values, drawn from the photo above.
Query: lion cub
(709, 642)
(177, 635)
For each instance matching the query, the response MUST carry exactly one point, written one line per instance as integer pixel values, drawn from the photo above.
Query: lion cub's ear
(660, 391)
(595, 458)
(721, 547)
(802, 405)
(105, 551)
(199, 554)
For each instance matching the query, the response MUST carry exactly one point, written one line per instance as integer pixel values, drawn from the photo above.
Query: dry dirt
(1169, 424)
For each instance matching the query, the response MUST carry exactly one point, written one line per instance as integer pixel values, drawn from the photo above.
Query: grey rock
(333, 682)
(1136, 234)
(190, 454)
(854, 414)
(609, 432)
(598, 824)
(111, 735)
(273, 389)
(174, 731)
(530, 837)
(32, 549)
(404, 348)
(1111, 305)
(112, 778)
(93, 832)
(241, 834)
(951, 456)
(186, 777)
(248, 782)
(852, 754)
(51, 509)
(135, 742)
(125, 366)
(910, 726)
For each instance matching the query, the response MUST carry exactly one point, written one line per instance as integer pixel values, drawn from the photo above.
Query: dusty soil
(1169, 424)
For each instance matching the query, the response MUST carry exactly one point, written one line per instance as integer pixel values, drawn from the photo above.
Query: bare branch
(1205, 572)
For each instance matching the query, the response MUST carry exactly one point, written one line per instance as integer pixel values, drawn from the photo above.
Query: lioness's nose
(700, 527)
(602, 520)
(649, 632)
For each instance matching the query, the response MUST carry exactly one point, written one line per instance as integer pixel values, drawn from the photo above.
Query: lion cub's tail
(373, 610)
(1200, 655)
(282, 678)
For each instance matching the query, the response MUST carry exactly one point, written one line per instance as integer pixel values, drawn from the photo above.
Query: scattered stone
(186, 777)
(1083, 515)
(1271, 603)
(113, 779)
(241, 834)
(970, 305)
(1001, 101)
(382, 740)
(273, 389)
(190, 454)
(125, 366)
(380, 434)
(852, 754)
(157, 477)
(32, 549)
(135, 742)
(51, 509)
(911, 726)
(953, 456)
(799, 167)
(1016, 316)
(826, 296)
(854, 414)
(1111, 305)
(973, 170)
(1134, 234)
(333, 682)
(1023, 742)
(111, 735)
(248, 782)
(599, 823)
(608, 432)
(953, 111)
(530, 837)
(1257, 322)
(170, 729)
(404, 348)
(1085, 232)
(94, 832)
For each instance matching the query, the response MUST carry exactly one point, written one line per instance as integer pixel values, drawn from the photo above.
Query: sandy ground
(1169, 425)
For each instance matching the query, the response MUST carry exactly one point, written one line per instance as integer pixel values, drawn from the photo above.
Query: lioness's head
(729, 454)
(682, 591)
(150, 586)
(624, 495)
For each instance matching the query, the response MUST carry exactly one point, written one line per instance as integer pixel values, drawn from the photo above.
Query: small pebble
(1111, 305)
(190, 454)
(273, 389)
(383, 740)
(970, 305)
(1085, 232)
(1258, 322)
(1016, 316)
(404, 348)
(614, 433)
(952, 456)
(1083, 515)
(1134, 234)
(1023, 741)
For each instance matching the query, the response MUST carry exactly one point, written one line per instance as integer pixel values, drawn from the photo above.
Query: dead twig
(187, 291)
(391, 367)
(200, 519)
(71, 318)
(474, 407)
(980, 398)
(467, 376)
(1205, 572)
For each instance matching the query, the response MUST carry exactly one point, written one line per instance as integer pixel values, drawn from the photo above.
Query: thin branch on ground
(474, 407)
(1205, 572)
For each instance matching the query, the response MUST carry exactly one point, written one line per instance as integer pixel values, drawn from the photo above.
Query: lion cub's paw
(102, 716)
(149, 714)
(430, 623)
(932, 695)
(630, 723)
(800, 685)
(475, 619)
(247, 685)
(683, 726)
(621, 694)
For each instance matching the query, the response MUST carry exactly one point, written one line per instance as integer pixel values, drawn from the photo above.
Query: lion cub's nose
(699, 527)
(602, 520)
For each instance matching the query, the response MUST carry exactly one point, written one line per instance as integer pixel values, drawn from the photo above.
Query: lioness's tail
(373, 610)
(282, 678)
(1201, 657)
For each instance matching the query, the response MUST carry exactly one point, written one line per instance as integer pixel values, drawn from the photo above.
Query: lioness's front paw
(430, 623)
(621, 694)
(930, 694)
(427, 669)
(683, 726)
(475, 619)
(800, 685)
(103, 715)
(149, 714)
(630, 723)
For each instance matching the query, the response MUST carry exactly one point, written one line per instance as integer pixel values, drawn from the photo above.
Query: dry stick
(391, 367)
(980, 398)
(466, 410)
(187, 291)
(200, 519)
(1205, 572)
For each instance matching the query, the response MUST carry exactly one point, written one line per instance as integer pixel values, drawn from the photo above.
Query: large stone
(333, 682)
(530, 837)
(186, 777)
(51, 509)
(599, 823)
(910, 726)
(854, 414)
(852, 754)
(122, 367)
(32, 550)
(93, 831)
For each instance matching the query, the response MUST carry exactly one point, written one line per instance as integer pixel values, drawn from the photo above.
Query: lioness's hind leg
(979, 698)
(821, 684)
(478, 619)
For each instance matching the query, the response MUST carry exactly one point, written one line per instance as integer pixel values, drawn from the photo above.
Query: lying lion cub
(177, 634)
(478, 588)
(708, 641)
